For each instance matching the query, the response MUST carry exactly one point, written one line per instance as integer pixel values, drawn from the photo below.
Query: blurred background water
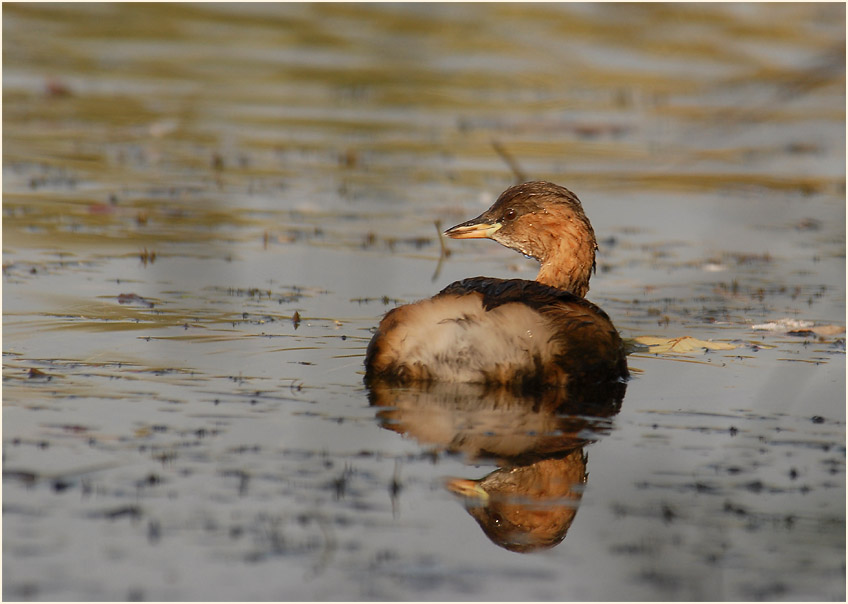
(208, 207)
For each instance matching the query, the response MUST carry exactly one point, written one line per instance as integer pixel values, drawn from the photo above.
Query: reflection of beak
(473, 229)
(467, 488)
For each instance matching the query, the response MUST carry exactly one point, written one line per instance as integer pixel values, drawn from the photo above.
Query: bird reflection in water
(523, 373)
(535, 439)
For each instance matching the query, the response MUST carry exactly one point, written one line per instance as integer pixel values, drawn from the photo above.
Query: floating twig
(444, 252)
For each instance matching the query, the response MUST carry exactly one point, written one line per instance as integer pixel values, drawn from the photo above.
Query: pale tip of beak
(467, 488)
(473, 231)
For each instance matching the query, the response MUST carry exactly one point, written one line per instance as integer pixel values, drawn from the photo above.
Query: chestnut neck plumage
(570, 263)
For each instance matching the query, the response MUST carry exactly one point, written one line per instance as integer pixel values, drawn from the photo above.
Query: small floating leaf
(681, 344)
(827, 330)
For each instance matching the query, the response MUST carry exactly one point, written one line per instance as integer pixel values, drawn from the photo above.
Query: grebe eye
(509, 215)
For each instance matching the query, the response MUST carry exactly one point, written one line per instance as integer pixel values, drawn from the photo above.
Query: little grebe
(509, 331)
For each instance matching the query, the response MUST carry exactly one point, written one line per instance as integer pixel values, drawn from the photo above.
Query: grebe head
(546, 222)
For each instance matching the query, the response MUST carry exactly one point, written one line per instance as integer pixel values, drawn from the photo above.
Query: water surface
(207, 208)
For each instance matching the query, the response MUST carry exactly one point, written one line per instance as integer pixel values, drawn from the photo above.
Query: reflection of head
(525, 509)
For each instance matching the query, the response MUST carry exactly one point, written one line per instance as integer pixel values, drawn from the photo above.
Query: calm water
(207, 208)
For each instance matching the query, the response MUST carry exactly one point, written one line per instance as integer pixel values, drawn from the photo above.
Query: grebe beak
(473, 229)
(466, 488)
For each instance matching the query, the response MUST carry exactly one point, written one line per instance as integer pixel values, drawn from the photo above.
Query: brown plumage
(509, 331)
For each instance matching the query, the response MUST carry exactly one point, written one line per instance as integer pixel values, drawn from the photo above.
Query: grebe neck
(571, 264)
